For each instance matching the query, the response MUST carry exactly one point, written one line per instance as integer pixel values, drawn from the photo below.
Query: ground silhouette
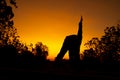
(72, 44)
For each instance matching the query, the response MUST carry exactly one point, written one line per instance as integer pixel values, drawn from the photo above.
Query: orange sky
(49, 21)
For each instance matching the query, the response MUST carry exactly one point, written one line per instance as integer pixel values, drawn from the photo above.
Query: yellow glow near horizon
(50, 21)
(52, 39)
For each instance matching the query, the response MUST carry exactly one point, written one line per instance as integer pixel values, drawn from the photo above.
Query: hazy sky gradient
(49, 21)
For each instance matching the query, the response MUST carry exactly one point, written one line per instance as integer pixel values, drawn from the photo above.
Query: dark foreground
(61, 72)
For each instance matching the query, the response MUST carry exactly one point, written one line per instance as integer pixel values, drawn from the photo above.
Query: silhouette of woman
(72, 44)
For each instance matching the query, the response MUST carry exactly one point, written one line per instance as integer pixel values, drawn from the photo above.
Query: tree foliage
(41, 50)
(107, 47)
(8, 33)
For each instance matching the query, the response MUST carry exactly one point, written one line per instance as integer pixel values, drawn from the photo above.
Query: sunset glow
(50, 21)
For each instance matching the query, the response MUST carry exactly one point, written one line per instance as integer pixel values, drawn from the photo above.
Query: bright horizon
(50, 21)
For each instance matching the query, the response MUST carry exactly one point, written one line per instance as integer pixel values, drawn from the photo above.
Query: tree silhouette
(41, 50)
(110, 43)
(8, 33)
(107, 48)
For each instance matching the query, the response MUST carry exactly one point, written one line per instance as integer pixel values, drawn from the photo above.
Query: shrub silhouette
(37, 56)
(41, 51)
